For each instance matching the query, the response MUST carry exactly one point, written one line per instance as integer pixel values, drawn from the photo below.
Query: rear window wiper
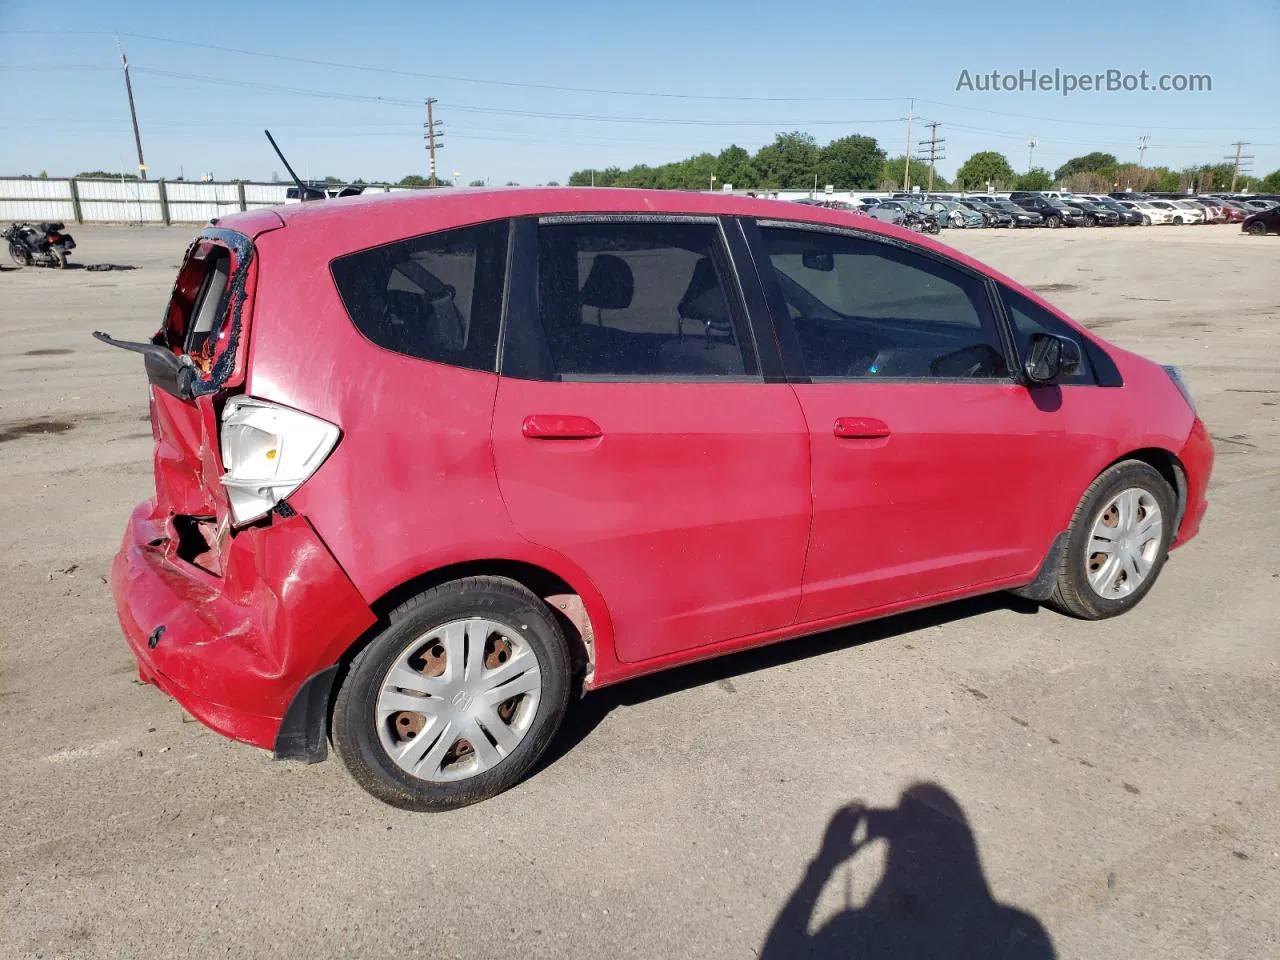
(167, 370)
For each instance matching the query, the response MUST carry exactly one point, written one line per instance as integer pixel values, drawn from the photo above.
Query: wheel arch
(579, 609)
(1168, 466)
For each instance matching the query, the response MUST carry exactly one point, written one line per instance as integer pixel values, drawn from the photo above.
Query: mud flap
(304, 731)
(1041, 588)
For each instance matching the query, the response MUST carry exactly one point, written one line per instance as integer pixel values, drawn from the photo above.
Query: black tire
(1178, 220)
(1072, 593)
(20, 254)
(1257, 229)
(59, 259)
(1054, 222)
(354, 732)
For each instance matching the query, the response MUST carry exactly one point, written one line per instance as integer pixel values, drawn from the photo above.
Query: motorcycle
(921, 223)
(39, 244)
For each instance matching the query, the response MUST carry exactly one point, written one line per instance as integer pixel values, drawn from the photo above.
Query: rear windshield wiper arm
(170, 372)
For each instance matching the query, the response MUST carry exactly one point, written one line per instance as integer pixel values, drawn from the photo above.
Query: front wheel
(1117, 542)
(1257, 229)
(19, 254)
(1146, 221)
(455, 701)
(1177, 220)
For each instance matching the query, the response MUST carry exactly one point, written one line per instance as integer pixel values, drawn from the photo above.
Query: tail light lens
(269, 451)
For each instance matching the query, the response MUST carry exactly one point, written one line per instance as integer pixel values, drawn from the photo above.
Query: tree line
(795, 161)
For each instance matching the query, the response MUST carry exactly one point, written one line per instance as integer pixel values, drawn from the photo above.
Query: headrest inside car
(610, 285)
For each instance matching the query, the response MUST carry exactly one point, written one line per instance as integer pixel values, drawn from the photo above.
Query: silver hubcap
(1124, 543)
(458, 700)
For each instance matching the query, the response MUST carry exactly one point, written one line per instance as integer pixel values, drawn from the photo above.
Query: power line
(935, 150)
(433, 127)
(1245, 159)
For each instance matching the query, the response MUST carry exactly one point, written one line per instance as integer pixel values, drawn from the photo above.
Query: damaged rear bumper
(233, 650)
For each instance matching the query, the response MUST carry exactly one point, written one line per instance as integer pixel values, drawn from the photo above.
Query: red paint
(860, 428)
(551, 427)
(693, 518)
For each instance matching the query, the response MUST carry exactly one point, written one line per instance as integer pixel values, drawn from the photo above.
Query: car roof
(331, 228)
(342, 225)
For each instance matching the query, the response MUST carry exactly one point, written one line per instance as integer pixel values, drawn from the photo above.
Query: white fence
(134, 201)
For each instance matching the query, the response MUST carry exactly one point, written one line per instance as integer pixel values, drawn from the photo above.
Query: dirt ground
(1118, 783)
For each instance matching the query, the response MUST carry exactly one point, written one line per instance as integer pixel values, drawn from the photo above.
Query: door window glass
(636, 298)
(864, 308)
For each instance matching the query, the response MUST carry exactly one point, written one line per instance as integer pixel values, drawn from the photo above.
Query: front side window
(864, 308)
(437, 297)
(1027, 318)
(639, 298)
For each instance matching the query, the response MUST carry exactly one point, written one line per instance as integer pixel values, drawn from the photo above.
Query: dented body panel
(234, 649)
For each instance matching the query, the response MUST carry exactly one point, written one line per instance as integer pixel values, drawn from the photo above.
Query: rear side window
(1028, 318)
(437, 297)
(639, 298)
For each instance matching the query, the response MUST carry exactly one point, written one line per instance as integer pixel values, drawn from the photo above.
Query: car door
(932, 465)
(635, 433)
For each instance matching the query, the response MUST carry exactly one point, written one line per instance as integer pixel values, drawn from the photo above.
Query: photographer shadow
(932, 901)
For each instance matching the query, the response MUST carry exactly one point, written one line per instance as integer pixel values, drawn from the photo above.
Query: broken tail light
(268, 452)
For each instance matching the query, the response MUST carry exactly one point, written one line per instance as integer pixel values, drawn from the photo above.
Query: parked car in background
(1129, 218)
(888, 211)
(1263, 222)
(1234, 212)
(1176, 213)
(1212, 207)
(952, 214)
(1149, 211)
(1021, 216)
(1055, 212)
(1191, 212)
(319, 190)
(990, 215)
(1095, 213)
(402, 512)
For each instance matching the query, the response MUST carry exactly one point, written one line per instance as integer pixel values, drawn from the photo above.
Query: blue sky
(529, 92)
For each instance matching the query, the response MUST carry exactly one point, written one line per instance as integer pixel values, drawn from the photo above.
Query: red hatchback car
(426, 465)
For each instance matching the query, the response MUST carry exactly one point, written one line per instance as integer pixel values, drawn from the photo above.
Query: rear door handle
(557, 426)
(860, 428)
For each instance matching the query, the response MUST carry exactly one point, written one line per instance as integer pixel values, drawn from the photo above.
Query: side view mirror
(1051, 358)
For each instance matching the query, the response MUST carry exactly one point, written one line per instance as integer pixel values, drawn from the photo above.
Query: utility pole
(432, 126)
(133, 113)
(1239, 159)
(934, 145)
(1142, 148)
(906, 159)
(1031, 151)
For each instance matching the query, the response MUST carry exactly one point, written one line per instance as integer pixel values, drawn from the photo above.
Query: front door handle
(860, 428)
(558, 426)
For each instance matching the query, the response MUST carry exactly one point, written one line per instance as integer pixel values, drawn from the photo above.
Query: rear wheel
(59, 258)
(457, 698)
(1055, 222)
(1117, 542)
